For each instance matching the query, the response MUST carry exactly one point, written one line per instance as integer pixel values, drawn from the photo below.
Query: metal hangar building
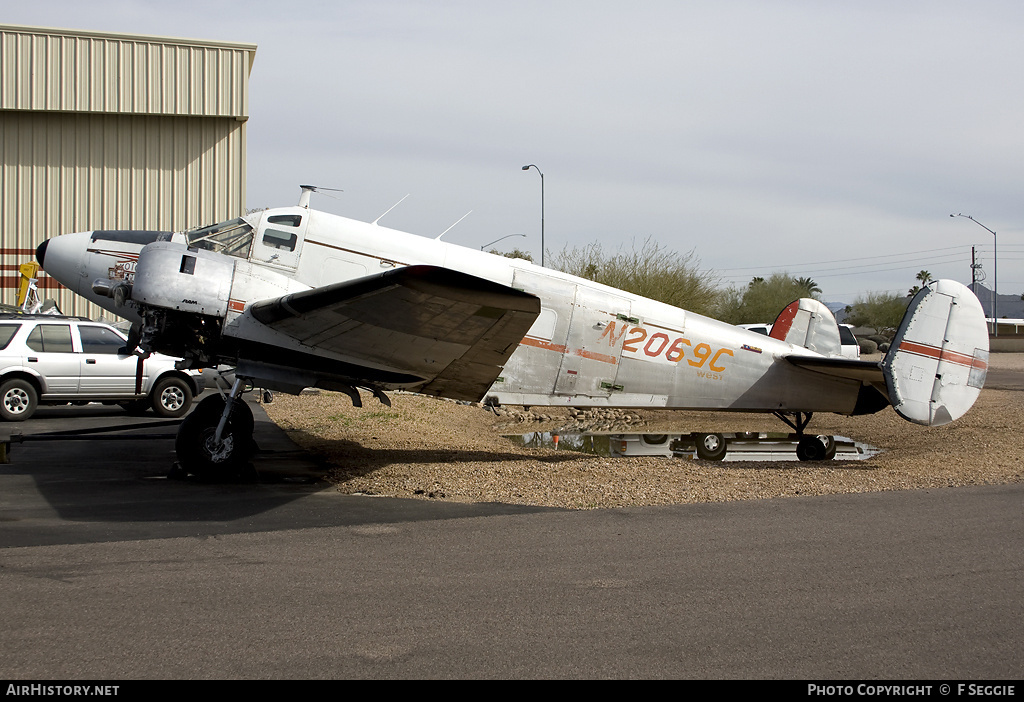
(115, 131)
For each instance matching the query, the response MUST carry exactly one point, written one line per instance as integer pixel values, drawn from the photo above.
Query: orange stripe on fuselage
(560, 348)
(602, 357)
(540, 344)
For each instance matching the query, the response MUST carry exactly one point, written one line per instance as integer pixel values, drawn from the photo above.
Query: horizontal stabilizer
(872, 396)
(808, 323)
(937, 362)
(864, 371)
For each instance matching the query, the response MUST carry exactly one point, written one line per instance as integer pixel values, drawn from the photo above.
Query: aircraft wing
(453, 330)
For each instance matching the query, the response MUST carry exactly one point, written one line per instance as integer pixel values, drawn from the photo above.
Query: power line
(844, 260)
(864, 269)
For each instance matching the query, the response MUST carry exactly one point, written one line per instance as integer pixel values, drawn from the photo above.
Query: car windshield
(233, 238)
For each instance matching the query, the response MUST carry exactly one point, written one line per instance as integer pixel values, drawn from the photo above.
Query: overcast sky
(827, 139)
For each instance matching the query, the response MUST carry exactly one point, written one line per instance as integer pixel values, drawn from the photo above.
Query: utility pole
(974, 272)
(995, 272)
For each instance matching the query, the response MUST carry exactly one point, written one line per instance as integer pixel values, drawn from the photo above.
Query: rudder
(937, 362)
(807, 322)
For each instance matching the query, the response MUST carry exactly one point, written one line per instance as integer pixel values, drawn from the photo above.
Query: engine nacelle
(175, 277)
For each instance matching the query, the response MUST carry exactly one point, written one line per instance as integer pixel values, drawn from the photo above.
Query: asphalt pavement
(110, 570)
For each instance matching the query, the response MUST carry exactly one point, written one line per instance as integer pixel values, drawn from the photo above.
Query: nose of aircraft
(61, 258)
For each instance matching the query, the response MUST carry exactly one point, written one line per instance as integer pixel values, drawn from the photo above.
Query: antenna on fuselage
(389, 209)
(308, 190)
(453, 226)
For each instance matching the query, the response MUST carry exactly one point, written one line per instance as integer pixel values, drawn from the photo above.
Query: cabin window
(287, 220)
(233, 238)
(276, 239)
(544, 327)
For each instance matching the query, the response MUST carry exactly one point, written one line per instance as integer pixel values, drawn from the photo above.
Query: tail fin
(810, 324)
(937, 362)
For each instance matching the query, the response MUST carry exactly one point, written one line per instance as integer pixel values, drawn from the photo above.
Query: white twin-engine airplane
(295, 298)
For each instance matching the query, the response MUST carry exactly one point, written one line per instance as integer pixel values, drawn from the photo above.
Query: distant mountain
(838, 309)
(1010, 306)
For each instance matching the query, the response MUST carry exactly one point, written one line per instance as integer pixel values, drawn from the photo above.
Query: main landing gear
(215, 441)
(809, 447)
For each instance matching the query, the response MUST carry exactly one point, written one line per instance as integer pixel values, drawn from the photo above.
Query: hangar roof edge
(151, 38)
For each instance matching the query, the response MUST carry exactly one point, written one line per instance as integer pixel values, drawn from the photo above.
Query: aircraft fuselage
(592, 345)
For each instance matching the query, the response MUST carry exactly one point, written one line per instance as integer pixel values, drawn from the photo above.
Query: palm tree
(924, 277)
(809, 285)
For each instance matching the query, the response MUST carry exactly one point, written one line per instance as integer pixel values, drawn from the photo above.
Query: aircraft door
(591, 360)
(279, 238)
(534, 369)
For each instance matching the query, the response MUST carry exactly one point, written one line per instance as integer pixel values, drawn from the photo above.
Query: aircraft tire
(816, 448)
(197, 452)
(711, 447)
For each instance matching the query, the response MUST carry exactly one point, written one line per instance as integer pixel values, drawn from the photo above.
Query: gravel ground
(434, 449)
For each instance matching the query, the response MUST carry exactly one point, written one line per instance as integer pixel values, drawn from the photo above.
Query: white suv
(55, 360)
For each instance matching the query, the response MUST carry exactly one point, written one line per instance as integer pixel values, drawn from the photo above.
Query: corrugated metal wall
(101, 131)
(57, 70)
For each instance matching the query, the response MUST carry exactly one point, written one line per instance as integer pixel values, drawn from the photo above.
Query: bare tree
(653, 271)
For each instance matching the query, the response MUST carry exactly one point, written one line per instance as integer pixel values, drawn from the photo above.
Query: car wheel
(830, 446)
(18, 400)
(711, 447)
(171, 397)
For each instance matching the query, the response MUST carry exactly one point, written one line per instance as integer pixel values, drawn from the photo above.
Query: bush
(867, 346)
(652, 271)
(881, 311)
(762, 299)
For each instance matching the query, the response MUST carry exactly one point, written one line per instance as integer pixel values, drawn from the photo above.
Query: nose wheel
(215, 441)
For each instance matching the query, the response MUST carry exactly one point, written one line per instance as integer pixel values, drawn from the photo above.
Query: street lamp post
(526, 168)
(501, 239)
(995, 272)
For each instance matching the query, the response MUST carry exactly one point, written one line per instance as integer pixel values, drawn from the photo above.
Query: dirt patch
(436, 449)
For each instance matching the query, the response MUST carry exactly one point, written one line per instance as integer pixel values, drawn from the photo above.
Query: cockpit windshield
(233, 238)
